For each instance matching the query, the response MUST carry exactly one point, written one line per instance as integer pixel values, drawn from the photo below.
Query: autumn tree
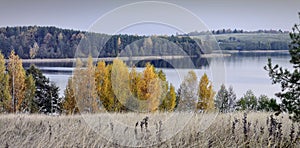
(78, 82)
(133, 101)
(104, 87)
(164, 104)
(163, 82)
(169, 102)
(112, 85)
(69, 103)
(109, 96)
(149, 89)
(85, 87)
(120, 84)
(5, 97)
(100, 78)
(121, 90)
(187, 93)
(17, 81)
(205, 94)
(91, 86)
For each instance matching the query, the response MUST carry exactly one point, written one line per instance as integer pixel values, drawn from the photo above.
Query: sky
(214, 14)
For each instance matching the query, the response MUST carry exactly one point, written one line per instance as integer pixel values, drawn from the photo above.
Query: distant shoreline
(109, 59)
(221, 53)
(255, 51)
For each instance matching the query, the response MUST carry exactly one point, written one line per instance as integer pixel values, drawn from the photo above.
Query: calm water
(242, 71)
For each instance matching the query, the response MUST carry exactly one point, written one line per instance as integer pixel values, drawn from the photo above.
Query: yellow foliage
(205, 94)
(69, 103)
(85, 87)
(17, 81)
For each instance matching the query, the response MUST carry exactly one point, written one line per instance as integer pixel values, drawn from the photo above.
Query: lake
(242, 71)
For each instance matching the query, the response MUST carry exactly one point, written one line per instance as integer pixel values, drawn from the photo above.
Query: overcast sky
(216, 14)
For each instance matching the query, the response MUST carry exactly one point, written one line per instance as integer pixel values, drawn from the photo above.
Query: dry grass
(164, 130)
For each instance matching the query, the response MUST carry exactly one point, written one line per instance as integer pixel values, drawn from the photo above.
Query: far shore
(255, 51)
(220, 53)
(109, 59)
(70, 60)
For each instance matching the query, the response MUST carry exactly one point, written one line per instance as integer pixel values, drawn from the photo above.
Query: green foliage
(231, 99)
(29, 105)
(222, 99)
(289, 79)
(5, 97)
(247, 102)
(225, 99)
(169, 102)
(267, 104)
(46, 94)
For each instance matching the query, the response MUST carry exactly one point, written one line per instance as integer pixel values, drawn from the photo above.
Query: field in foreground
(163, 130)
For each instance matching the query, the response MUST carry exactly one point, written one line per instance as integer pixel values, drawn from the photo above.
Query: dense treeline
(230, 31)
(52, 42)
(115, 88)
(226, 101)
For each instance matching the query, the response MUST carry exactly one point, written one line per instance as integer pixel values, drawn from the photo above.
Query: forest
(51, 42)
(30, 42)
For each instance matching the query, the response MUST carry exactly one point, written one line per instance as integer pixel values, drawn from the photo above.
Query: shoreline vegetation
(221, 53)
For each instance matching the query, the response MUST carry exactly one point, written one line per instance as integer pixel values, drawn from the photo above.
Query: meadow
(253, 129)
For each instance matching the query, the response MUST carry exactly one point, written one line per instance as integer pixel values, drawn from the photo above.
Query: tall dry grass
(164, 130)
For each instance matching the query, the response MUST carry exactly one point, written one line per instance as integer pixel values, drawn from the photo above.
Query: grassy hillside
(252, 41)
(164, 130)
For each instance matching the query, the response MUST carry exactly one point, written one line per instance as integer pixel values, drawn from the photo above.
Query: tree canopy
(289, 80)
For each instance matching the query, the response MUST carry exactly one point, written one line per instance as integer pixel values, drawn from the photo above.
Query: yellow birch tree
(17, 81)
(205, 94)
